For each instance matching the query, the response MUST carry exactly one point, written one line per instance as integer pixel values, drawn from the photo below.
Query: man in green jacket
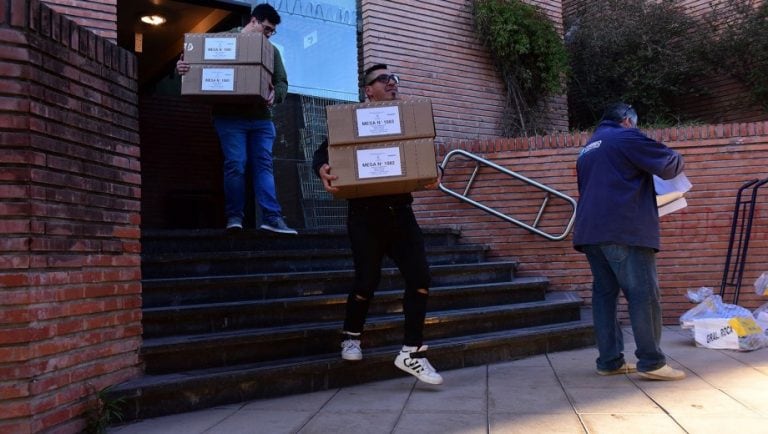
(247, 133)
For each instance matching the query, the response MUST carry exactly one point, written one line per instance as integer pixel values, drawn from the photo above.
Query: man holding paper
(379, 226)
(617, 228)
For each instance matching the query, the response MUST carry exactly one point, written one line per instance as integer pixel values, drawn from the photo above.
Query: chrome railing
(479, 162)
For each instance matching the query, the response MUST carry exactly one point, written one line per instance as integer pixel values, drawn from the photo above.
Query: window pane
(318, 43)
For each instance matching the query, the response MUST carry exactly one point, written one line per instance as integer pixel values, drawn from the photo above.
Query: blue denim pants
(631, 270)
(247, 142)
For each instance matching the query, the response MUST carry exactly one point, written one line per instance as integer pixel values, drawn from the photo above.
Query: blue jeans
(633, 271)
(247, 141)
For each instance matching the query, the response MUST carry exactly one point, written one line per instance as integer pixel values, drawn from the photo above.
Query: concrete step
(189, 264)
(183, 353)
(264, 286)
(218, 240)
(218, 317)
(158, 395)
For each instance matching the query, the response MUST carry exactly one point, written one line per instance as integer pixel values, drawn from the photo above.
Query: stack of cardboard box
(381, 148)
(227, 67)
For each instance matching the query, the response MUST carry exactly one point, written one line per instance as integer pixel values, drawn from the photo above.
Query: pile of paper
(670, 193)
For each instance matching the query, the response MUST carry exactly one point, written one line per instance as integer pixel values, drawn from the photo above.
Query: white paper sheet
(670, 193)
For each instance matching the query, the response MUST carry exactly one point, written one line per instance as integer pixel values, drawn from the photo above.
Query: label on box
(378, 121)
(218, 79)
(220, 49)
(378, 163)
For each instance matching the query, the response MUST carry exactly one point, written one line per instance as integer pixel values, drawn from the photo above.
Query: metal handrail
(743, 215)
(532, 228)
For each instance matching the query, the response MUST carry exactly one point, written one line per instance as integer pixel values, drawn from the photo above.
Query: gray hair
(617, 112)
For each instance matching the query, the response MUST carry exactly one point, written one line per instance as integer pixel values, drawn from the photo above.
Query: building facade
(94, 147)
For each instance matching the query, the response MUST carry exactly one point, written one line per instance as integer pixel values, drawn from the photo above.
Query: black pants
(375, 231)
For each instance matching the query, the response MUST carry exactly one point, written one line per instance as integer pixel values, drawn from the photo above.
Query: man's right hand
(325, 175)
(182, 67)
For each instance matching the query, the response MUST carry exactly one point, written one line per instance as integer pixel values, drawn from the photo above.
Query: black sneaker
(277, 224)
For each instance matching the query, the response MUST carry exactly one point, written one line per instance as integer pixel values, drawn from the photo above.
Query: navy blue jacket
(617, 201)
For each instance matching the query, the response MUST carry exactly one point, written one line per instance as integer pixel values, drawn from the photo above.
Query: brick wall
(69, 219)
(98, 16)
(432, 45)
(719, 159)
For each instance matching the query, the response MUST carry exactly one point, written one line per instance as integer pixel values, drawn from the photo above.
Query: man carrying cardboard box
(247, 134)
(378, 226)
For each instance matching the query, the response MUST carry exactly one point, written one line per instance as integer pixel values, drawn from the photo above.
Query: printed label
(220, 49)
(378, 163)
(378, 121)
(218, 80)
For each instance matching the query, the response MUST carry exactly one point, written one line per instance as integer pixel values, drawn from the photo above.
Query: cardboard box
(380, 121)
(378, 169)
(229, 48)
(226, 83)
(381, 148)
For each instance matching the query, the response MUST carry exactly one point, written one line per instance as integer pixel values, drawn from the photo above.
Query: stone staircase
(235, 318)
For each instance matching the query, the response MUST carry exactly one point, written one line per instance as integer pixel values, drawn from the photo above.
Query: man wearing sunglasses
(247, 134)
(378, 226)
(617, 228)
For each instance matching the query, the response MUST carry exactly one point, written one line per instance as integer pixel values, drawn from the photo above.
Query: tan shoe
(666, 373)
(626, 368)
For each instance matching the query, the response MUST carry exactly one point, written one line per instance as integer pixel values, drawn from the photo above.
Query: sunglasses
(385, 78)
(268, 31)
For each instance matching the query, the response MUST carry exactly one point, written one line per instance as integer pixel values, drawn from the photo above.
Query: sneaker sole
(278, 231)
(616, 372)
(350, 358)
(659, 377)
(425, 380)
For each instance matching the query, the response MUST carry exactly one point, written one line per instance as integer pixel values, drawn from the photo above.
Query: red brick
(18, 13)
(14, 354)
(13, 390)
(9, 280)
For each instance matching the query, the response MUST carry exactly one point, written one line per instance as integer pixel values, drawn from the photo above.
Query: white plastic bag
(761, 316)
(761, 284)
(736, 333)
(710, 306)
(721, 325)
(699, 295)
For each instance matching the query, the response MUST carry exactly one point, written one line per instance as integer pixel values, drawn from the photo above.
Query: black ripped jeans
(375, 231)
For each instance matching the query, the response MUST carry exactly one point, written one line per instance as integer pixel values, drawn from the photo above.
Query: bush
(641, 52)
(741, 48)
(529, 54)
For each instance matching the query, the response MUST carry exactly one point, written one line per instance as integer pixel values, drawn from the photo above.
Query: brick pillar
(70, 292)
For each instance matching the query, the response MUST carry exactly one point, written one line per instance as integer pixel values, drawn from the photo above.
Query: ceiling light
(154, 20)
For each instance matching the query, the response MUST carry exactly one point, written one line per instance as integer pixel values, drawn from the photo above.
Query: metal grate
(320, 208)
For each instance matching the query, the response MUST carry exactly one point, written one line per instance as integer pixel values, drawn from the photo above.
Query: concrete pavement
(725, 392)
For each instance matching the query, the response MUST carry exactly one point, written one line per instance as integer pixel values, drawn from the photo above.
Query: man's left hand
(271, 96)
(433, 185)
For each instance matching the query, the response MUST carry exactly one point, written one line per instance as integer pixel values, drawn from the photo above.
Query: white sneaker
(419, 367)
(665, 373)
(350, 350)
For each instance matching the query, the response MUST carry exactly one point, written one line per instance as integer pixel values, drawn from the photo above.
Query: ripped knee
(422, 291)
(360, 295)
